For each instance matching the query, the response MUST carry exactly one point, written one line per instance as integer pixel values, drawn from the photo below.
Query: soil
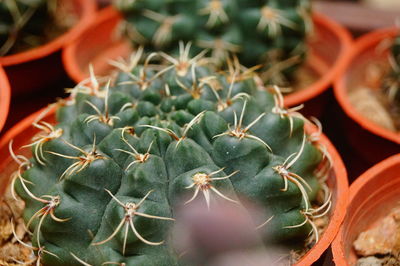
(12, 252)
(380, 244)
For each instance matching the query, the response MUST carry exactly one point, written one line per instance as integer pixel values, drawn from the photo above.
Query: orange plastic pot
(5, 95)
(370, 141)
(38, 67)
(372, 196)
(22, 133)
(98, 44)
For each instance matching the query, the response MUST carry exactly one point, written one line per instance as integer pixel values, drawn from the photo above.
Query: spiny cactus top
(267, 32)
(23, 23)
(103, 183)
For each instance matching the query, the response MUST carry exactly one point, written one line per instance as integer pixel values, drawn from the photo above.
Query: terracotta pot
(370, 141)
(5, 95)
(372, 196)
(98, 44)
(22, 133)
(35, 68)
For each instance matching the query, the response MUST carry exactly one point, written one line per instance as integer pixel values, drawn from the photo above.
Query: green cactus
(103, 183)
(396, 71)
(271, 33)
(391, 83)
(25, 24)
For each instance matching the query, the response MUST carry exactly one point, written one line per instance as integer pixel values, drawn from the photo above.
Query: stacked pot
(374, 195)
(84, 53)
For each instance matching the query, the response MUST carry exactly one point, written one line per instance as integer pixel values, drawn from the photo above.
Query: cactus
(271, 33)
(391, 84)
(103, 183)
(23, 24)
(394, 80)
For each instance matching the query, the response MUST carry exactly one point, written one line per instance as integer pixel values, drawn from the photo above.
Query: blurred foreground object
(224, 235)
(357, 17)
(384, 4)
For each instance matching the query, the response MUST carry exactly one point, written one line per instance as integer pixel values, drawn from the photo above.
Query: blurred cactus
(391, 83)
(267, 32)
(25, 24)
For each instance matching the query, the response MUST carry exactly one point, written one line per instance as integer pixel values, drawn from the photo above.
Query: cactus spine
(271, 33)
(103, 182)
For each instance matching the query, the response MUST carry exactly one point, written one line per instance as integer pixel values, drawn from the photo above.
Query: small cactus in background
(391, 83)
(28, 23)
(103, 183)
(271, 33)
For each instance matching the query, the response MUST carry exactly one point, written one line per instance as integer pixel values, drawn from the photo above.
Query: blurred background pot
(370, 141)
(33, 69)
(5, 95)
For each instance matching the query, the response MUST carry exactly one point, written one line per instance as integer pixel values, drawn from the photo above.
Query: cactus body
(394, 80)
(123, 156)
(391, 83)
(268, 32)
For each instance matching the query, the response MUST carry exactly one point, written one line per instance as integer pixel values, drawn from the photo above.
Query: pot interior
(324, 44)
(372, 201)
(367, 68)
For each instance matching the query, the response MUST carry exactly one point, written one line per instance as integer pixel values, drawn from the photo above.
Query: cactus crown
(103, 183)
(267, 32)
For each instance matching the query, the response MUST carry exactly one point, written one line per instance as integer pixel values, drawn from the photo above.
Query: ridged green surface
(267, 32)
(136, 113)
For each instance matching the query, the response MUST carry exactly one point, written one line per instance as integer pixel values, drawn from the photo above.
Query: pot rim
(339, 212)
(357, 186)
(295, 98)
(340, 89)
(5, 97)
(339, 170)
(323, 83)
(68, 54)
(88, 8)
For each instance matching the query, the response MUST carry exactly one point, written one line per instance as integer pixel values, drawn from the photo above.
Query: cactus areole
(271, 33)
(103, 183)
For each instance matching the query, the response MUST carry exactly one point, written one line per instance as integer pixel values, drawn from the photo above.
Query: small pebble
(369, 261)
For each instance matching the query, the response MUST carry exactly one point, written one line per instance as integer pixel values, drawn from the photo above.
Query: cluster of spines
(269, 32)
(139, 80)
